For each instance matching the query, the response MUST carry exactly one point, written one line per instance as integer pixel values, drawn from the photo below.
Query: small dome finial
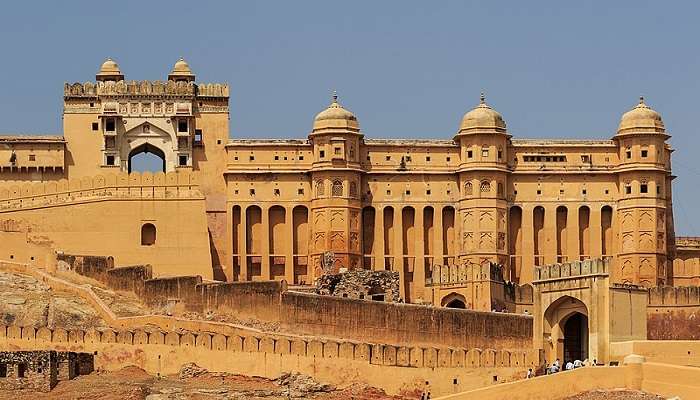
(641, 99)
(335, 96)
(482, 98)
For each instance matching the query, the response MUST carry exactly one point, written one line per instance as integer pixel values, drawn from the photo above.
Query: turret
(181, 72)
(109, 71)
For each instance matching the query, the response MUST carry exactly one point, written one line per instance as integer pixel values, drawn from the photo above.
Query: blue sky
(406, 68)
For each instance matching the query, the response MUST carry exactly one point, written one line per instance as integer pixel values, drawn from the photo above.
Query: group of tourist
(557, 366)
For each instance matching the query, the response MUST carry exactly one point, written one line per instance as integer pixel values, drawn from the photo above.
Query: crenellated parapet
(572, 269)
(144, 89)
(674, 296)
(464, 273)
(171, 185)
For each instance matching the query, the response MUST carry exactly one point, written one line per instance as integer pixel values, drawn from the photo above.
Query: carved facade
(417, 207)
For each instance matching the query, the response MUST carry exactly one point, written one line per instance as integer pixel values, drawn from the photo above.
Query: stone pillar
(549, 247)
(418, 286)
(243, 243)
(438, 257)
(572, 234)
(528, 245)
(289, 254)
(265, 245)
(595, 227)
(228, 263)
(398, 250)
(378, 239)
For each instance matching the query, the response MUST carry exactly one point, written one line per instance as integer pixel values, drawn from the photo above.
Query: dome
(641, 119)
(482, 118)
(109, 70)
(181, 70)
(335, 118)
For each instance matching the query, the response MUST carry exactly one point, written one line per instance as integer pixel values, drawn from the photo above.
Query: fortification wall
(404, 323)
(673, 313)
(106, 214)
(391, 368)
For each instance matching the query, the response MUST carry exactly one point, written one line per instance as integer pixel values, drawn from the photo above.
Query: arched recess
(368, 218)
(454, 300)
(408, 217)
(606, 215)
(388, 232)
(515, 241)
(148, 234)
(146, 149)
(565, 338)
(448, 231)
(277, 236)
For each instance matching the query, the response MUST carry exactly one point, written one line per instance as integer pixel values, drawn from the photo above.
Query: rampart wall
(107, 214)
(673, 313)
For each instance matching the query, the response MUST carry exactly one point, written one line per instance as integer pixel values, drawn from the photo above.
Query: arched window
(320, 190)
(468, 190)
(148, 234)
(485, 187)
(337, 188)
(500, 189)
(353, 189)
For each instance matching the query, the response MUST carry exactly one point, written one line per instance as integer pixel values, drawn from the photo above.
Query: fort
(455, 263)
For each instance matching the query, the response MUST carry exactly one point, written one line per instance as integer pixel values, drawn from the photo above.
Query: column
(573, 244)
(438, 257)
(289, 249)
(549, 247)
(227, 263)
(419, 261)
(265, 245)
(243, 243)
(378, 248)
(398, 250)
(528, 245)
(595, 227)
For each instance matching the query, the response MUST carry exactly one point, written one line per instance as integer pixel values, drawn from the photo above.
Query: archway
(565, 330)
(454, 300)
(146, 157)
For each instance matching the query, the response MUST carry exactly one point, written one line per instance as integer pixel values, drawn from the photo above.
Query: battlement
(572, 269)
(460, 274)
(689, 242)
(144, 89)
(179, 184)
(674, 296)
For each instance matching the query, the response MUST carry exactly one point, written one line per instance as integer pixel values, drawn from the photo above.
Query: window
(607, 191)
(658, 189)
(251, 158)
(110, 126)
(408, 158)
(484, 152)
(427, 159)
(235, 158)
(182, 125)
(146, 128)
(235, 191)
(148, 234)
(182, 160)
(95, 126)
(353, 189)
(321, 154)
(320, 189)
(277, 158)
(468, 190)
(110, 160)
(583, 192)
(585, 158)
(628, 188)
(500, 154)
(628, 153)
(539, 192)
(561, 192)
(408, 192)
(32, 157)
(427, 192)
(470, 154)
(301, 158)
(252, 192)
(645, 152)
(198, 136)
(337, 188)
(448, 159)
(388, 158)
(336, 151)
(388, 192)
(485, 187)
(276, 192)
(300, 191)
(643, 188)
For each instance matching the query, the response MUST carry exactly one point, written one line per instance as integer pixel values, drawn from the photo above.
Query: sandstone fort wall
(673, 313)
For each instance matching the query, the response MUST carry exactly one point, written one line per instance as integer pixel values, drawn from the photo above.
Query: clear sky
(410, 69)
